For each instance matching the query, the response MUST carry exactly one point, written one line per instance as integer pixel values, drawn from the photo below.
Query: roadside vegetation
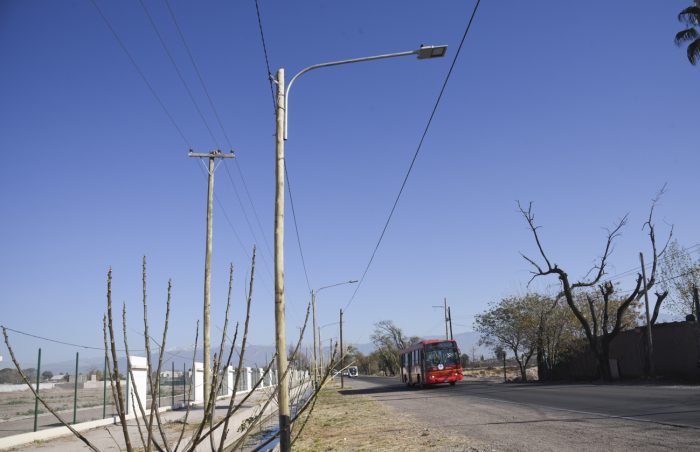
(586, 314)
(346, 421)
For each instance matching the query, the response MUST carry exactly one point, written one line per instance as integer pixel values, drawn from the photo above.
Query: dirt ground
(357, 422)
(20, 404)
(512, 373)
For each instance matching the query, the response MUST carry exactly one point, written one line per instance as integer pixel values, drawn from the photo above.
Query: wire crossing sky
(547, 105)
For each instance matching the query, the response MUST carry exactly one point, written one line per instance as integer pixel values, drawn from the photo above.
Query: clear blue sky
(584, 110)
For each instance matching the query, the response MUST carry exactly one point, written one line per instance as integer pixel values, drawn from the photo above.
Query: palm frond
(689, 34)
(694, 52)
(690, 15)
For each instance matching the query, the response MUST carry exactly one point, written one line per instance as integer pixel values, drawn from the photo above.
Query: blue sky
(586, 112)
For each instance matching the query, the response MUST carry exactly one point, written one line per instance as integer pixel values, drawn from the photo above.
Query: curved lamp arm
(424, 52)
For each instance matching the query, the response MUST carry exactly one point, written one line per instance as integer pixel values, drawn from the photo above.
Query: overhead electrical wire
(57, 341)
(296, 227)
(286, 173)
(415, 155)
(140, 72)
(221, 126)
(179, 73)
(162, 105)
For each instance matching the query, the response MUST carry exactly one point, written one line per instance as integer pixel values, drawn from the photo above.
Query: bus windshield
(444, 353)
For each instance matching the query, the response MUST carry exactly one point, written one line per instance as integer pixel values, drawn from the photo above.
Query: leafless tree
(599, 326)
(149, 425)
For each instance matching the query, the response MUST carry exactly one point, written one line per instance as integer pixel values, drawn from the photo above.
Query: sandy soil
(357, 422)
(17, 405)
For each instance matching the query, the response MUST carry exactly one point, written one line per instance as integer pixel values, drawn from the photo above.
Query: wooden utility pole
(696, 302)
(213, 155)
(280, 328)
(342, 351)
(449, 316)
(650, 342)
(447, 335)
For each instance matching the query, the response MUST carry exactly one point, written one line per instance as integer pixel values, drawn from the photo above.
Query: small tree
(499, 352)
(511, 323)
(680, 274)
(389, 340)
(47, 375)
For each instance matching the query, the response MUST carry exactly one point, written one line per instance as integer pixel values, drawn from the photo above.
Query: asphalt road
(551, 417)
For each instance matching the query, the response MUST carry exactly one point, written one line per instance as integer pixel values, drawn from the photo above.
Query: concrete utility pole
(650, 342)
(342, 352)
(280, 330)
(213, 155)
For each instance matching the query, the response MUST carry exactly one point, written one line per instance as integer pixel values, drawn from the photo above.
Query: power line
(223, 131)
(57, 341)
(267, 60)
(201, 115)
(415, 155)
(140, 72)
(296, 228)
(179, 74)
(286, 173)
(245, 215)
(649, 265)
(233, 229)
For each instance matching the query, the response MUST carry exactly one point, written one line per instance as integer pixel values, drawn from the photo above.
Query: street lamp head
(352, 281)
(425, 52)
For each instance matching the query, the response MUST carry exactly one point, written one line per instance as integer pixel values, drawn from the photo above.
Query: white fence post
(248, 378)
(228, 381)
(198, 382)
(137, 387)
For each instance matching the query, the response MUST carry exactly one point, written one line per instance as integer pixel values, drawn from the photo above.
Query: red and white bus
(430, 362)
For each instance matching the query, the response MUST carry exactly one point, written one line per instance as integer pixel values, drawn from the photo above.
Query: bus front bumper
(444, 376)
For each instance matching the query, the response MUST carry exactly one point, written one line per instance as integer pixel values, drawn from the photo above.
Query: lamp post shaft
(280, 329)
(313, 303)
(342, 352)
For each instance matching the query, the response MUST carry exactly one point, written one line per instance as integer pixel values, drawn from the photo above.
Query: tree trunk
(542, 368)
(604, 361)
(521, 365)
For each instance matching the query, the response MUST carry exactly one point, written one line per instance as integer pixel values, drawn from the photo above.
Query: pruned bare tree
(600, 324)
(150, 427)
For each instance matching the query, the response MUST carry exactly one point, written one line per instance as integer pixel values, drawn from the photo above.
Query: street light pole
(280, 328)
(424, 52)
(313, 304)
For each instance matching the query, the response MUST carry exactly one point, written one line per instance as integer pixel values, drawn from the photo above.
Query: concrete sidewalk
(110, 437)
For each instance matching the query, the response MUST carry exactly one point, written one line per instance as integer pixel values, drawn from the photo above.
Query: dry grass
(359, 423)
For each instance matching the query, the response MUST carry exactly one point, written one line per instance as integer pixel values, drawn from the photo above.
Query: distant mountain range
(255, 355)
